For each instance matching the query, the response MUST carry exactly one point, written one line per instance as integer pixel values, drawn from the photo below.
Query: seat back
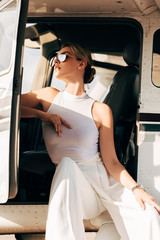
(123, 98)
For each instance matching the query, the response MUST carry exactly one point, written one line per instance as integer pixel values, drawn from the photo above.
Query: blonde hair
(82, 53)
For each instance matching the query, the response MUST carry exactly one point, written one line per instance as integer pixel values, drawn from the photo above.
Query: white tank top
(79, 143)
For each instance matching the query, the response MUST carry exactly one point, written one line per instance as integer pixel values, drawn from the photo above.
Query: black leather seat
(123, 99)
(35, 168)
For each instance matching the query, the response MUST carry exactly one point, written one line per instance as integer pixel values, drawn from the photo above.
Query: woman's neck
(75, 88)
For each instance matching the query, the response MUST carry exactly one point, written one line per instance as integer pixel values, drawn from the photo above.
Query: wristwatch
(138, 186)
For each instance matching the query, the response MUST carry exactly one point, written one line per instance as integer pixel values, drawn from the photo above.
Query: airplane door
(13, 15)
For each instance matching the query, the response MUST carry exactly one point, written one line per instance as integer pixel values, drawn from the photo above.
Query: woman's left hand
(143, 197)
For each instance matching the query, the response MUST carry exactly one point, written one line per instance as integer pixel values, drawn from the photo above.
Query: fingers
(57, 122)
(153, 203)
(58, 125)
(142, 205)
(157, 207)
(143, 197)
(150, 200)
(65, 123)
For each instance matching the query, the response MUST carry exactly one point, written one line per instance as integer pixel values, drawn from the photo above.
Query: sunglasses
(60, 58)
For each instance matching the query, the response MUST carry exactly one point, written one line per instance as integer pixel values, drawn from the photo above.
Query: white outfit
(80, 142)
(82, 189)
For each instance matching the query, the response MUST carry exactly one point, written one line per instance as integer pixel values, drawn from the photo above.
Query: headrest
(131, 53)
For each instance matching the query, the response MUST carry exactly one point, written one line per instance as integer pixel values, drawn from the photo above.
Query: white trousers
(84, 191)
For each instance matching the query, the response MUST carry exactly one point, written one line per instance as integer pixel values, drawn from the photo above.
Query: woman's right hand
(56, 121)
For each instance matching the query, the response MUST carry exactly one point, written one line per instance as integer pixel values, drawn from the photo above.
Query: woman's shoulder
(102, 108)
(52, 91)
(101, 112)
(48, 90)
(46, 96)
(46, 93)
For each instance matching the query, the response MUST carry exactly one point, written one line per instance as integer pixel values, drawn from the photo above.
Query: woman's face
(67, 69)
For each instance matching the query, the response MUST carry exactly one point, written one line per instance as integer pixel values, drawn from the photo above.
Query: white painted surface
(149, 162)
(7, 237)
(89, 235)
(150, 95)
(22, 218)
(9, 18)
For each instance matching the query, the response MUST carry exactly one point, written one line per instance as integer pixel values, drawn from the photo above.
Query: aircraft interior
(115, 45)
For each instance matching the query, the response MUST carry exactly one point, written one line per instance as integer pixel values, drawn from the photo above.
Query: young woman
(85, 183)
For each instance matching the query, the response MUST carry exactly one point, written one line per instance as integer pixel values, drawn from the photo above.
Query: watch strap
(137, 186)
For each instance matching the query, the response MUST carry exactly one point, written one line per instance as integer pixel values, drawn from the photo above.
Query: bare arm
(35, 105)
(110, 160)
(39, 99)
(112, 164)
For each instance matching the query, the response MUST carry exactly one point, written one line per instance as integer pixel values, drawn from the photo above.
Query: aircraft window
(30, 62)
(156, 59)
(109, 58)
(7, 33)
(99, 87)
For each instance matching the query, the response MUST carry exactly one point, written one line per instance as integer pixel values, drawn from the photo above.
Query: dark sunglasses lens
(62, 57)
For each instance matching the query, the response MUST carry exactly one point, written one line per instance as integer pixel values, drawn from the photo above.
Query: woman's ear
(82, 64)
